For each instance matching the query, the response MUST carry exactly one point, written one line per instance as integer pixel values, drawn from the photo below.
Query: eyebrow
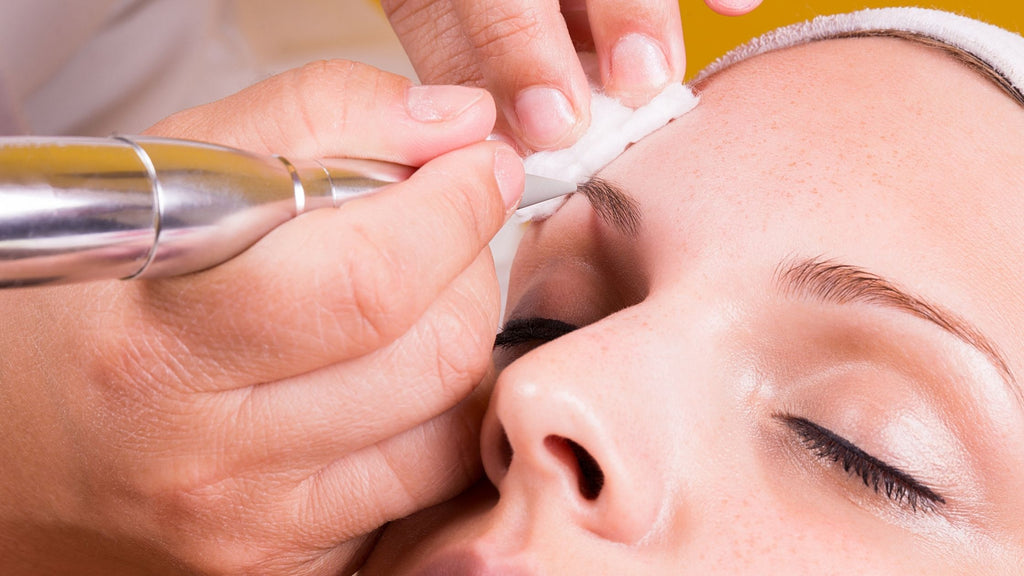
(823, 280)
(836, 283)
(611, 203)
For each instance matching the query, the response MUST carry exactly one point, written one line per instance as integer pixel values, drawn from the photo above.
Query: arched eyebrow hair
(832, 282)
(613, 205)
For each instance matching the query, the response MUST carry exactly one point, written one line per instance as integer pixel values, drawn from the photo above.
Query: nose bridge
(558, 435)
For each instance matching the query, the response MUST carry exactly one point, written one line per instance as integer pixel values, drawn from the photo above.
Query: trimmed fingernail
(545, 116)
(638, 62)
(510, 175)
(735, 7)
(440, 103)
(499, 136)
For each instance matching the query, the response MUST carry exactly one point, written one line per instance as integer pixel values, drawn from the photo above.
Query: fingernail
(440, 103)
(638, 62)
(510, 175)
(504, 138)
(545, 116)
(735, 7)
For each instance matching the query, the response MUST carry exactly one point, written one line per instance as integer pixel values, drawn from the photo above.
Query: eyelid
(877, 475)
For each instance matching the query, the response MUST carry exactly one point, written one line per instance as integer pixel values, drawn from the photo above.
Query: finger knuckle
(137, 365)
(228, 556)
(408, 17)
(462, 208)
(317, 112)
(304, 92)
(471, 207)
(219, 540)
(505, 29)
(435, 41)
(351, 488)
(375, 295)
(222, 556)
(463, 336)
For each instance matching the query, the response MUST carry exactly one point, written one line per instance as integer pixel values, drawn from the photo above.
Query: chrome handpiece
(79, 209)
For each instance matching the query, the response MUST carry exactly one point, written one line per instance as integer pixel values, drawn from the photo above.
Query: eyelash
(531, 330)
(900, 487)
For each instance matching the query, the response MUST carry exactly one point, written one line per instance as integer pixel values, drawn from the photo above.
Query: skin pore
(804, 357)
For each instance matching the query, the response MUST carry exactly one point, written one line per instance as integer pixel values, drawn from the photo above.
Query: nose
(556, 442)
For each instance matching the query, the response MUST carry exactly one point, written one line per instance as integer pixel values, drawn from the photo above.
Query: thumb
(338, 108)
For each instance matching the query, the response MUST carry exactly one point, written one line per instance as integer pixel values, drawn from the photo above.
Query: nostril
(591, 479)
(589, 476)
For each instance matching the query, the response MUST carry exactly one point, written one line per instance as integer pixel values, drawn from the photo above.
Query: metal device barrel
(73, 210)
(77, 209)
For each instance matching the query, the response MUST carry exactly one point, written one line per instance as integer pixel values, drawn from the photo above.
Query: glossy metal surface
(78, 209)
(73, 210)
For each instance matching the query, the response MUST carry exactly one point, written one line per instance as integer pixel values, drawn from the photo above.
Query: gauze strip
(613, 127)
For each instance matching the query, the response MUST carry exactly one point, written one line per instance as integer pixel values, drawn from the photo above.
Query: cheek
(752, 535)
(748, 537)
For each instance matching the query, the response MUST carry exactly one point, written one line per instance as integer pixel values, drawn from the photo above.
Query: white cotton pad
(613, 127)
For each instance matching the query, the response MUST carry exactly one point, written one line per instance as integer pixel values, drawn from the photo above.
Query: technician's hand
(267, 416)
(524, 52)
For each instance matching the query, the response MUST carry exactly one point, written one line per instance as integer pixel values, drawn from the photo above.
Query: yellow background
(709, 35)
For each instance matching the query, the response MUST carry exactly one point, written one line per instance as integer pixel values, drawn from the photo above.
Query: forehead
(881, 152)
(859, 109)
(884, 132)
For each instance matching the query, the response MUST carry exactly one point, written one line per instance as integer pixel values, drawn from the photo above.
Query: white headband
(1001, 49)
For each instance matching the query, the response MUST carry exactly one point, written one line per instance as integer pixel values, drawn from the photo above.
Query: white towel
(613, 127)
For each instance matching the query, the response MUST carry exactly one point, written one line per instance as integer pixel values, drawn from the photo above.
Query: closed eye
(878, 476)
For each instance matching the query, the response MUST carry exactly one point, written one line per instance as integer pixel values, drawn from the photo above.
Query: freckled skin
(869, 151)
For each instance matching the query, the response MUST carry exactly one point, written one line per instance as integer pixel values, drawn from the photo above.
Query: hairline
(959, 54)
(962, 56)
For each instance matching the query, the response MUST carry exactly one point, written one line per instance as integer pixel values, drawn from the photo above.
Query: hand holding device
(267, 415)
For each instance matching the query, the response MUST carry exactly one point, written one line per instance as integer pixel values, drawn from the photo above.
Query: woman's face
(800, 361)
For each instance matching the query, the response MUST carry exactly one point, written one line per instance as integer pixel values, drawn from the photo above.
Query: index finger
(639, 46)
(338, 108)
(528, 61)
